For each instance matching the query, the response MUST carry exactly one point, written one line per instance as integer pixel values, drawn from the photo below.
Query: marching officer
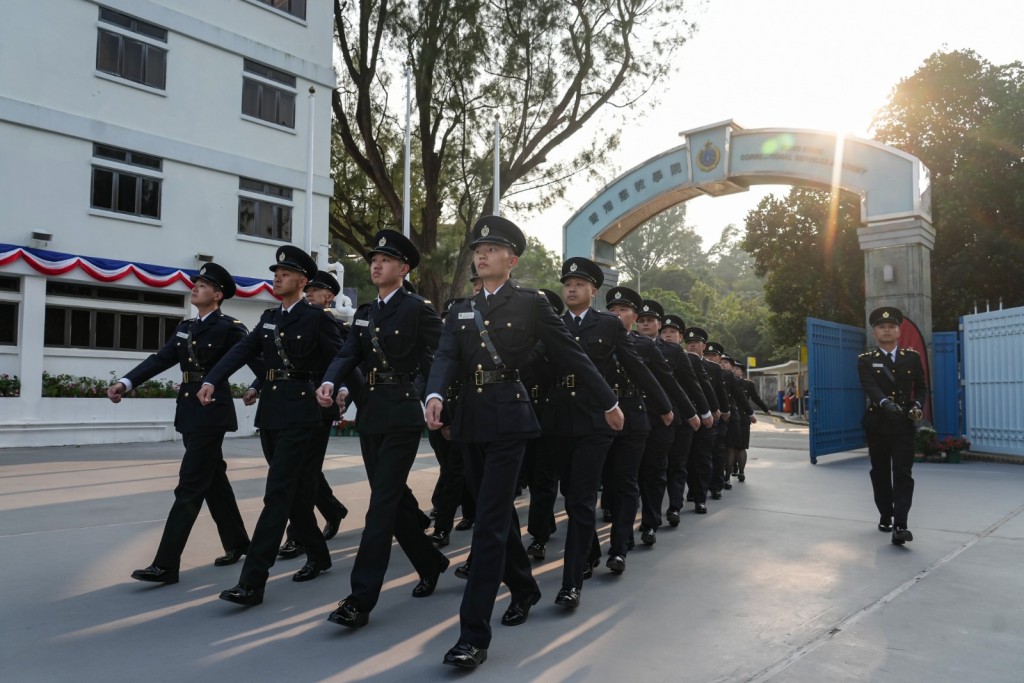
(893, 379)
(197, 345)
(294, 340)
(487, 341)
(697, 472)
(738, 405)
(740, 438)
(392, 340)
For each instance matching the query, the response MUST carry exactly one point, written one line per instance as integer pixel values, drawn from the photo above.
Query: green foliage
(664, 240)
(964, 118)
(72, 386)
(9, 385)
(539, 267)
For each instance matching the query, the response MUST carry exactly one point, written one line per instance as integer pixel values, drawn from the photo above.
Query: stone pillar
(30, 340)
(897, 269)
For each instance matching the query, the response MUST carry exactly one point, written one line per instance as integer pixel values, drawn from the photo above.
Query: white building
(139, 138)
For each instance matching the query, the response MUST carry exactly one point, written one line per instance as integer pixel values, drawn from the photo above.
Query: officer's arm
(445, 361)
(241, 353)
(755, 396)
(737, 392)
(563, 350)
(429, 331)
(661, 371)
(165, 358)
(869, 381)
(349, 355)
(705, 382)
(920, 388)
(638, 372)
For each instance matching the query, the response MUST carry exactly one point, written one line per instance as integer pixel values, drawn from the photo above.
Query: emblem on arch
(709, 157)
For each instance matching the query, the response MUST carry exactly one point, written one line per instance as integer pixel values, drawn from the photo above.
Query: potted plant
(953, 446)
(926, 445)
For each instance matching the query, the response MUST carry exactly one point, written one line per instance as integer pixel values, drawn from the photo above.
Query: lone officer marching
(197, 344)
(295, 339)
(893, 379)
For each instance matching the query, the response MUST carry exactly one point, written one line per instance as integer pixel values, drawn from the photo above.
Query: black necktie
(578, 320)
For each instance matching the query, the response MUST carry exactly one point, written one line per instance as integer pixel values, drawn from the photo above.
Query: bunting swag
(108, 270)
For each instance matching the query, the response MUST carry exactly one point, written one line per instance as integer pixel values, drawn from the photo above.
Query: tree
(964, 118)
(813, 268)
(539, 267)
(664, 239)
(546, 67)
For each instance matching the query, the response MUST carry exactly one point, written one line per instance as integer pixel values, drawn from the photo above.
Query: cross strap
(485, 336)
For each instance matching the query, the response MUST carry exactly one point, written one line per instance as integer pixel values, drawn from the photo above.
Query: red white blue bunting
(52, 263)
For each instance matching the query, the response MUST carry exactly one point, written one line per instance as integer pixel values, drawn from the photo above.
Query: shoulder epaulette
(865, 354)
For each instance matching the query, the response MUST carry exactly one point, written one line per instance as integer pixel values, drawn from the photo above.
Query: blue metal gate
(994, 381)
(946, 384)
(836, 399)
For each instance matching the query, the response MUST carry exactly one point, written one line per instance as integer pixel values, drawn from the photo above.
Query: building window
(268, 94)
(129, 49)
(296, 8)
(8, 323)
(264, 210)
(121, 186)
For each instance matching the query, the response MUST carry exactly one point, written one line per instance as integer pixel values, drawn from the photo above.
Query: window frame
(262, 199)
(147, 42)
(140, 172)
(285, 84)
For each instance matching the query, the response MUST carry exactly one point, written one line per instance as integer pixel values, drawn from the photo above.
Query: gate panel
(836, 399)
(946, 384)
(993, 346)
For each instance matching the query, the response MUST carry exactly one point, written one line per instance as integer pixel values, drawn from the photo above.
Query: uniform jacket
(310, 337)
(705, 379)
(407, 328)
(211, 339)
(683, 371)
(902, 382)
(517, 319)
(655, 361)
(737, 396)
(751, 390)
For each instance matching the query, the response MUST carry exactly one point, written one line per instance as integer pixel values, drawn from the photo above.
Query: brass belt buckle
(270, 375)
(373, 377)
(570, 381)
(478, 378)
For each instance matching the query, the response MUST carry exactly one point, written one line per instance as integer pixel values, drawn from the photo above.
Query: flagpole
(408, 147)
(497, 165)
(309, 173)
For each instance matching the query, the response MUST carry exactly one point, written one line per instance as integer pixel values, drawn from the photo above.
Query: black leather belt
(482, 377)
(629, 392)
(389, 377)
(567, 381)
(275, 375)
(187, 377)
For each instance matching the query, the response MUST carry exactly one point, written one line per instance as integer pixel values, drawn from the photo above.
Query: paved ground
(786, 580)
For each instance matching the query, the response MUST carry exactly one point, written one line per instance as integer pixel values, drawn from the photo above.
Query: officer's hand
(324, 395)
(726, 415)
(695, 422)
(892, 410)
(205, 394)
(433, 413)
(708, 421)
(616, 420)
(717, 415)
(667, 418)
(249, 397)
(116, 391)
(342, 398)
(446, 432)
(753, 419)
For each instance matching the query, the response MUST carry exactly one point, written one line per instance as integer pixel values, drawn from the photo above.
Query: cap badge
(383, 241)
(202, 271)
(618, 295)
(885, 314)
(647, 308)
(485, 231)
(691, 334)
(572, 268)
(280, 256)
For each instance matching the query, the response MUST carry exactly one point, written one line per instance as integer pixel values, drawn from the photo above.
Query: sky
(817, 64)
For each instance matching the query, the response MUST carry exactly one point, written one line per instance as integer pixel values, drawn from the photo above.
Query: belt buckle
(534, 392)
(270, 375)
(570, 381)
(373, 377)
(478, 378)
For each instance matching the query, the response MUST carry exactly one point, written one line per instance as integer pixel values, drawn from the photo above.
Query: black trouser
(324, 501)
(653, 472)
(699, 463)
(580, 462)
(451, 489)
(498, 555)
(543, 490)
(892, 458)
(291, 486)
(679, 465)
(718, 474)
(202, 476)
(392, 513)
(622, 488)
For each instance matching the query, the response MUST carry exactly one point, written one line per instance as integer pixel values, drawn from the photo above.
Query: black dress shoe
(901, 536)
(588, 571)
(462, 571)
(333, 525)
(519, 610)
(290, 549)
(617, 564)
(700, 509)
(647, 536)
(885, 524)
(311, 570)
(427, 584)
(741, 476)
(606, 514)
(243, 595)
(537, 549)
(689, 497)
(569, 596)
(348, 614)
(673, 518)
(727, 486)
(230, 557)
(464, 524)
(440, 538)
(716, 495)
(155, 574)
(465, 656)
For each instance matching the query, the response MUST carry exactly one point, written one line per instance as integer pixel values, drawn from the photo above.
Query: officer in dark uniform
(294, 340)
(893, 379)
(665, 443)
(738, 404)
(646, 397)
(321, 291)
(197, 344)
(698, 462)
(736, 458)
(392, 340)
(487, 341)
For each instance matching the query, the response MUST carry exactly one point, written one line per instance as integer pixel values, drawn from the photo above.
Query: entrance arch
(720, 159)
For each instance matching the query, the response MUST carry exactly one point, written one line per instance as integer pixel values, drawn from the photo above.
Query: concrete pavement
(786, 579)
